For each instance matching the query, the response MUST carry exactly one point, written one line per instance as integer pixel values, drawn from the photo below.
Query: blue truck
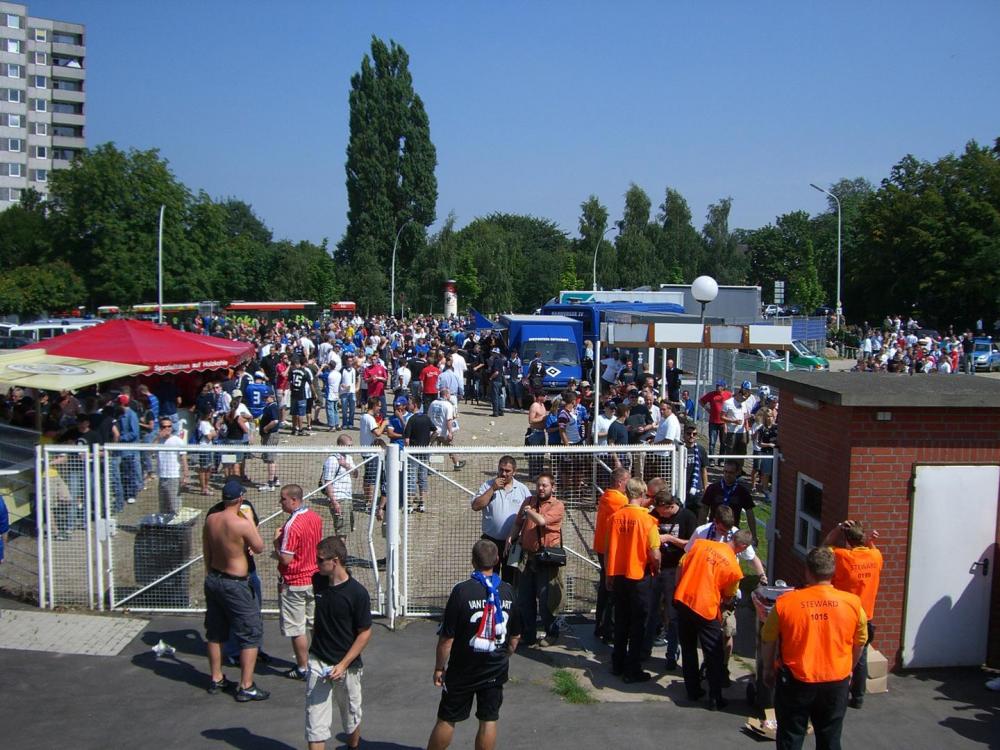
(558, 339)
(591, 314)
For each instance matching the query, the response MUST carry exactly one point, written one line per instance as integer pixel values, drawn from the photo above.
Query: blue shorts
(299, 408)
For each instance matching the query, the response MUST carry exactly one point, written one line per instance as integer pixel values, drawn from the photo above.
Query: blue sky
(535, 105)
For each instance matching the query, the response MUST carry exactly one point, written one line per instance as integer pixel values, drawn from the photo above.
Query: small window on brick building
(808, 514)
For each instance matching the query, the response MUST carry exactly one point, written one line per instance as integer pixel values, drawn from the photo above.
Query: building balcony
(62, 118)
(64, 141)
(76, 50)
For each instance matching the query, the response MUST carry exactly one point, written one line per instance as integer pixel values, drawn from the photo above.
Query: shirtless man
(536, 432)
(229, 598)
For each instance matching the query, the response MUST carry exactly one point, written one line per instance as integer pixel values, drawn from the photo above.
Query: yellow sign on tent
(34, 368)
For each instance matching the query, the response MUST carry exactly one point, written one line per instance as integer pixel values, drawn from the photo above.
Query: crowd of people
(904, 347)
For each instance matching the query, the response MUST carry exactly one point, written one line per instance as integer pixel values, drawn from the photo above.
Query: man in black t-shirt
(416, 433)
(473, 649)
(342, 627)
(298, 385)
(677, 525)
(730, 491)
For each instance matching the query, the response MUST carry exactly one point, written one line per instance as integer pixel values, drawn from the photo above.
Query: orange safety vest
(632, 534)
(610, 502)
(858, 572)
(707, 572)
(818, 627)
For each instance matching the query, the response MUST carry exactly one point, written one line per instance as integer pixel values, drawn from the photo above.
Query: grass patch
(565, 685)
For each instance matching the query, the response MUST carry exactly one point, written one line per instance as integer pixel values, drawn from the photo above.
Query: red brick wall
(866, 471)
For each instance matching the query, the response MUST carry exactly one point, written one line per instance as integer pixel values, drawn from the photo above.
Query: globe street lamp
(392, 291)
(704, 289)
(596, 248)
(839, 305)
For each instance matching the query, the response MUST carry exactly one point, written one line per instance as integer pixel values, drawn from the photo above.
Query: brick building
(918, 459)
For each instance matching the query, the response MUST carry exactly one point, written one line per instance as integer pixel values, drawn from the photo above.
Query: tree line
(924, 242)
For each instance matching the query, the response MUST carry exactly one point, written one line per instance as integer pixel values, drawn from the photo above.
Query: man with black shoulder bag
(538, 528)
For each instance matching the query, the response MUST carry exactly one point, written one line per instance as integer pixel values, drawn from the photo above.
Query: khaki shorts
(728, 623)
(319, 706)
(297, 607)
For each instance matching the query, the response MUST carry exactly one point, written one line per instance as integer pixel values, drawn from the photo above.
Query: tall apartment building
(42, 99)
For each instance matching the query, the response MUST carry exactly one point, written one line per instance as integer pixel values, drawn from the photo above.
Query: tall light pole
(392, 291)
(704, 289)
(159, 269)
(840, 307)
(596, 248)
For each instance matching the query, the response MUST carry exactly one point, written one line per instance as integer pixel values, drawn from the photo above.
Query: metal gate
(437, 543)
(120, 548)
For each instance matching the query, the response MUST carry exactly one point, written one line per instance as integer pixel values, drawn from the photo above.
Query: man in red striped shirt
(295, 549)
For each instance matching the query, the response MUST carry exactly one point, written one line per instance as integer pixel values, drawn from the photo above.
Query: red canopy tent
(160, 348)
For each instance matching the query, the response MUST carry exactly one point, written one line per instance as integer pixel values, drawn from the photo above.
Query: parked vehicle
(985, 355)
(760, 360)
(771, 310)
(13, 342)
(804, 358)
(557, 338)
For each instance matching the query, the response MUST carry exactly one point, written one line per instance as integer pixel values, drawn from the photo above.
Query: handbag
(550, 557)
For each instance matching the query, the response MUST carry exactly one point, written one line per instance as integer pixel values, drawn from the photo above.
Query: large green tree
(390, 174)
(724, 258)
(678, 244)
(105, 211)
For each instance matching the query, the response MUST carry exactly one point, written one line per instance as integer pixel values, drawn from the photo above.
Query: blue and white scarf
(492, 628)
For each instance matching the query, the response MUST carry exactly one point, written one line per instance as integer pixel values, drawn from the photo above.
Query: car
(759, 360)
(823, 311)
(771, 310)
(804, 358)
(13, 342)
(793, 310)
(985, 355)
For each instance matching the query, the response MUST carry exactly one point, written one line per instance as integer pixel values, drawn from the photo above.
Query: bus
(175, 312)
(109, 311)
(41, 330)
(343, 308)
(285, 310)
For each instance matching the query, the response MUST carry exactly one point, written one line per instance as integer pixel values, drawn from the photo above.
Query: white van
(41, 330)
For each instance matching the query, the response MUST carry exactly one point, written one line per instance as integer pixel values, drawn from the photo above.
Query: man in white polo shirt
(499, 500)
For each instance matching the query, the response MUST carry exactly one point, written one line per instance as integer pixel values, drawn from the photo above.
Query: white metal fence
(112, 536)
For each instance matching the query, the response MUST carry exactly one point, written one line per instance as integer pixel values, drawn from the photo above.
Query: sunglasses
(321, 560)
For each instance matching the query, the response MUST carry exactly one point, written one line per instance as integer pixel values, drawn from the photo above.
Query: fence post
(773, 520)
(95, 510)
(40, 524)
(392, 485)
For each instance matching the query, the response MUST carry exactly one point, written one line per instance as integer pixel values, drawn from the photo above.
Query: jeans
(147, 456)
(536, 461)
(695, 630)
(332, 413)
(796, 703)
(631, 613)
(115, 479)
(231, 649)
(382, 407)
(131, 473)
(605, 614)
(662, 590)
(540, 587)
(76, 482)
(347, 405)
(859, 677)
(715, 437)
(496, 396)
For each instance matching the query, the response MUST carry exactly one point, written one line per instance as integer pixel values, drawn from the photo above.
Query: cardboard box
(877, 685)
(878, 665)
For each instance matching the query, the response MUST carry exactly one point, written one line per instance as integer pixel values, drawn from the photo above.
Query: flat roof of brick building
(885, 389)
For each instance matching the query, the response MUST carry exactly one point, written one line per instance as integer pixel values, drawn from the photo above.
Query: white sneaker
(131, 501)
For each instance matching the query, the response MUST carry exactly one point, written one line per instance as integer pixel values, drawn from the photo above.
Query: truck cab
(557, 339)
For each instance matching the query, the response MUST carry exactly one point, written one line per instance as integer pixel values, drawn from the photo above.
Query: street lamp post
(392, 291)
(704, 289)
(840, 307)
(159, 269)
(596, 248)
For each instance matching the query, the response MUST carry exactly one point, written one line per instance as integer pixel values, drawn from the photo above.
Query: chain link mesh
(156, 558)
(437, 543)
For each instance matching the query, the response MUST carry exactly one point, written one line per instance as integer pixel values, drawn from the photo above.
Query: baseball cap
(232, 489)
(401, 401)
(237, 393)
(746, 385)
(259, 375)
(586, 384)
(123, 399)
(721, 382)
(495, 350)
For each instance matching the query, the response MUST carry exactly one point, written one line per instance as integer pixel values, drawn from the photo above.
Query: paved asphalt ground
(135, 699)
